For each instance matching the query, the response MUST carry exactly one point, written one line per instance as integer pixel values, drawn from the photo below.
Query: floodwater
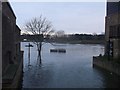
(72, 69)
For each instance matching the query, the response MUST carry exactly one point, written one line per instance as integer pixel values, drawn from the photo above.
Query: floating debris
(58, 50)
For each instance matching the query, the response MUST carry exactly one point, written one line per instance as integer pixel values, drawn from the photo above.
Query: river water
(72, 69)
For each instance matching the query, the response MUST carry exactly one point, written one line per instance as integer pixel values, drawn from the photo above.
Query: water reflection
(37, 76)
(39, 60)
(72, 69)
(110, 80)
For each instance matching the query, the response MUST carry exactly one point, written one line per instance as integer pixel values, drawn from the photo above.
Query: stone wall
(12, 57)
(19, 73)
(17, 42)
(8, 29)
(13, 77)
(112, 28)
(107, 65)
(111, 20)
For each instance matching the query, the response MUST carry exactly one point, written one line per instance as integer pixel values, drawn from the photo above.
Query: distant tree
(60, 33)
(94, 33)
(23, 33)
(41, 27)
(102, 33)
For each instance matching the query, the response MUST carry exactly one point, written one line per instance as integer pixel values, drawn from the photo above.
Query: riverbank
(77, 42)
(81, 42)
(110, 65)
(87, 42)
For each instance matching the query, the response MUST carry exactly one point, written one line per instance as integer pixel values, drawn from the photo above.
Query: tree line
(77, 38)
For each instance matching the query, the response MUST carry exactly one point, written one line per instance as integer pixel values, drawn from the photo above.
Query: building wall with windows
(12, 56)
(112, 29)
(8, 29)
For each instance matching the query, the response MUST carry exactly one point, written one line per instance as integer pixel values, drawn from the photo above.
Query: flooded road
(72, 69)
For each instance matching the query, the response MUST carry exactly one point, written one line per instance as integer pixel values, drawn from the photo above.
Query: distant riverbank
(81, 42)
(76, 42)
(70, 39)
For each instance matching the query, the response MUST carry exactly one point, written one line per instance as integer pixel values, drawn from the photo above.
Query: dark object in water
(58, 50)
(53, 50)
(62, 50)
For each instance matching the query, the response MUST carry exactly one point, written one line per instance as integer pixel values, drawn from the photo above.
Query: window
(114, 31)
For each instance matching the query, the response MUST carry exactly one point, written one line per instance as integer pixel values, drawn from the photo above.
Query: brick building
(12, 57)
(112, 29)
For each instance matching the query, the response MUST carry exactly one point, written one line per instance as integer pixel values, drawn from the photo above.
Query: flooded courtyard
(72, 69)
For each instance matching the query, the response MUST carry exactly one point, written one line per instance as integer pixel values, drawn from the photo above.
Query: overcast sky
(72, 17)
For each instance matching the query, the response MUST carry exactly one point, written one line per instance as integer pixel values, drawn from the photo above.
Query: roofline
(10, 8)
(18, 27)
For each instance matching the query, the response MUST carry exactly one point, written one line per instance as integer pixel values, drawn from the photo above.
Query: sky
(71, 17)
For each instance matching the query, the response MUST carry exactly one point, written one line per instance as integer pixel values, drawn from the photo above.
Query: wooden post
(29, 46)
(29, 54)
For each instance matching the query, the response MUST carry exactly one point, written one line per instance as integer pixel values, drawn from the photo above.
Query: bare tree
(39, 27)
